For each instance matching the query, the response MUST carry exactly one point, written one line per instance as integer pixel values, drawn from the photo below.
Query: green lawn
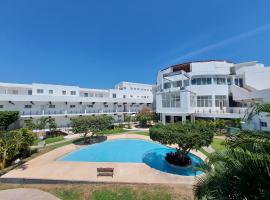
(54, 139)
(140, 133)
(111, 191)
(218, 144)
(112, 131)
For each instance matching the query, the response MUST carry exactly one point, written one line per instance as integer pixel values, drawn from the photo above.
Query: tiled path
(26, 194)
(47, 168)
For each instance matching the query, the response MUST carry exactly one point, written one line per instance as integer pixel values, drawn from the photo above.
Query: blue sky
(101, 42)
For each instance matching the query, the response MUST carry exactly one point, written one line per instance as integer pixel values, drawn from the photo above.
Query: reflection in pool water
(132, 151)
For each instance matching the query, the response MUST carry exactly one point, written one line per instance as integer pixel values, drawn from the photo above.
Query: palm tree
(258, 108)
(240, 172)
(10, 143)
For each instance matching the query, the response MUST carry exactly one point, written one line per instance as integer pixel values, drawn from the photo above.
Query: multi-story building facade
(212, 89)
(63, 102)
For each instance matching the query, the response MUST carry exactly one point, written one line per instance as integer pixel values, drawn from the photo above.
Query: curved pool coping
(48, 167)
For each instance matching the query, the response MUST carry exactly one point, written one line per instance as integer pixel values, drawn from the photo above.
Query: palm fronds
(258, 108)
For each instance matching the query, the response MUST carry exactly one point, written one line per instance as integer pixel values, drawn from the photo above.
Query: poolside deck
(47, 169)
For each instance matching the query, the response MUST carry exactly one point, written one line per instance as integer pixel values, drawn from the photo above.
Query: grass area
(54, 139)
(112, 131)
(218, 144)
(204, 152)
(140, 133)
(49, 140)
(112, 191)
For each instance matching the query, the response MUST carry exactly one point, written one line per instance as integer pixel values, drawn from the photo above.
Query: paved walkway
(47, 167)
(26, 194)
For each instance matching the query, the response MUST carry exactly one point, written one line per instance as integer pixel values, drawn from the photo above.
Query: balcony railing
(231, 110)
(76, 112)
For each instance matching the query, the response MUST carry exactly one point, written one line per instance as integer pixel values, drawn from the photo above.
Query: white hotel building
(212, 89)
(64, 102)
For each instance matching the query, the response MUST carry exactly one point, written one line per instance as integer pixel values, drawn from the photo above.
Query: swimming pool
(132, 151)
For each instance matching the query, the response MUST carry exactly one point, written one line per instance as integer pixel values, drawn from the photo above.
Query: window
(238, 82)
(64, 92)
(171, 100)
(106, 106)
(263, 124)
(72, 106)
(220, 101)
(29, 92)
(51, 106)
(167, 85)
(50, 91)
(113, 95)
(27, 106)
(193, 100)
(85, 94)
(1, 106)
(201, 81)
(119, 106)
(204, 101)
(72, 92)
(15, 92)
(90, 106)
(177, 84)
(40, 91)
(124, 96)
(186, 82)
(220, 81)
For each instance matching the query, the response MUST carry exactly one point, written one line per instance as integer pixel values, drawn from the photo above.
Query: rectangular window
(50, 91)
(220, 81)
(119, 106)
(64, 92)
(51, 106)
(171, 100)
(29, 92)
(72, 106)
(40, 91)
(186, 82)
(204, 101)
(27, 106)
(1, 106)
(193, 100)
(228, 81)
(15, 92)
(177, 84)
(106, 106)
(220, 101)
(167, 85)
(114, 95)
(209, 81)
(85, 94)
(90, 106)
(72, 92)
(263, 124)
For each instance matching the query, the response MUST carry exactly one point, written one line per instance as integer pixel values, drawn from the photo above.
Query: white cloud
(227, 41)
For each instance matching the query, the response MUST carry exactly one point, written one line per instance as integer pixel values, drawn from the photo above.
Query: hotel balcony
(59, 113)
(231, 112)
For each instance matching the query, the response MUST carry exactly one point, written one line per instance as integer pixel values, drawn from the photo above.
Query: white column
(163, 118)
(184, 119)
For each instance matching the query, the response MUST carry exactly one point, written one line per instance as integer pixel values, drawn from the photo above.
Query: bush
(187, 136)
(7, 118)
(144, 116)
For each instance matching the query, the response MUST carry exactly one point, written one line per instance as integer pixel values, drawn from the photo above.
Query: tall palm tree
(240, 172)
(258, 108)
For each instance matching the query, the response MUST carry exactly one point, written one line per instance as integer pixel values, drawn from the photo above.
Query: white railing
(230, 110)
(76, 112)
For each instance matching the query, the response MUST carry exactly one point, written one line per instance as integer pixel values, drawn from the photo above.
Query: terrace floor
(47, 169)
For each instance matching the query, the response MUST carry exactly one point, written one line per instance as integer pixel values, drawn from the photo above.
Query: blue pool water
(132, 151)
